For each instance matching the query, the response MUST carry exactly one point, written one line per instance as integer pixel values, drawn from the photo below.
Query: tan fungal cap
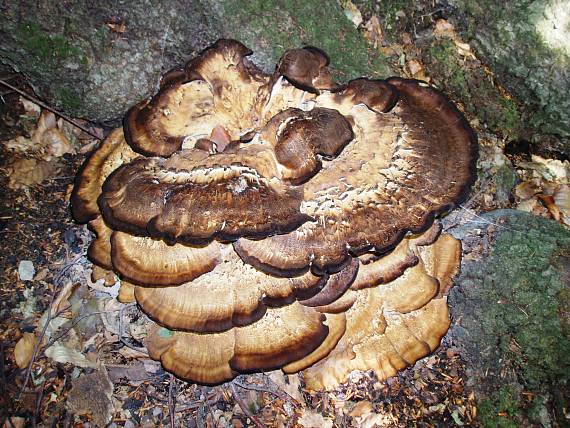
(282, 336)
(112, 153)
(146, 261)
(236, 294)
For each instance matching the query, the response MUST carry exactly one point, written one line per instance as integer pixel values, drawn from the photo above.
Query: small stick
(244, 408)
(54, 111)
(278, 393)
(122, 330)
(38, 404)
(171, 403)
(37, 346)
(2, 372)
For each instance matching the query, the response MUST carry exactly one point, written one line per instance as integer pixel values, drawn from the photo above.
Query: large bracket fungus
(240, 205)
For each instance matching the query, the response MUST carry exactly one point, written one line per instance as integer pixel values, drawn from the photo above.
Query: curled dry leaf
(352, 12)
(24, 349)
(62, 354)
(29, 172)
(311, 419)
(373, 32)
(444, 28)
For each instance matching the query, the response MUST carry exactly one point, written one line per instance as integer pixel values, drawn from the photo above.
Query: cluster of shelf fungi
(282, 220)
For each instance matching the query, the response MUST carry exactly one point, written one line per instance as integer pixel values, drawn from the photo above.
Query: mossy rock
(510, 312)
(526, 43)
(97, 61)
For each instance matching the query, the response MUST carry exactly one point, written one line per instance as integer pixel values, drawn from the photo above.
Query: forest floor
(79, 362)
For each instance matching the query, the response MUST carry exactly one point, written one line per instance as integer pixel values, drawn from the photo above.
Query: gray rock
(527, 44)
(97, 59)
(26, 270)
(79, 57)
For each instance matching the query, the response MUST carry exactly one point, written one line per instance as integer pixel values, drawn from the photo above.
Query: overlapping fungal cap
(275, 221)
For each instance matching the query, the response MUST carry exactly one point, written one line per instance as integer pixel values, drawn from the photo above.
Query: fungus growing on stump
(241, 206)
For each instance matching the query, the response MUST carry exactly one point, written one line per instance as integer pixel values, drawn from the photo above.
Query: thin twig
(49, 317)
(244, 408)
(38, 403)
(171, 400)
(54, 111)
(121, 332)
(278, 393)
(2, 372)
(37, 346)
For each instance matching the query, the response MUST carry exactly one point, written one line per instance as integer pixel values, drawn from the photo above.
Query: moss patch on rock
(469, 84)
(269, 27)
(507, 316)
(526, 44)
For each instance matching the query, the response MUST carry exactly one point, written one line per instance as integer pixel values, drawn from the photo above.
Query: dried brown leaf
(28, 172)
(24, 350)
(444, 28)
(373, 32)
(311, 419)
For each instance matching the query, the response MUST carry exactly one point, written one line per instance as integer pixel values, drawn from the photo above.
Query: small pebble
(129, 424)
(26, 270)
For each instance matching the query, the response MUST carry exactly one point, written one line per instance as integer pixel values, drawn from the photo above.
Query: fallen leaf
(31, 108)
(464, 49)
(352, 12)
(15, 422)
(310, 419)
(456, 418)
(444, 28)
(562, 201)
(416, 70)
(26, 172)
(62, 354)
(91, 394)
(288, 383)
(373, 32)
(24, 349)
(362, 408)
(375, 420)
(60, 303)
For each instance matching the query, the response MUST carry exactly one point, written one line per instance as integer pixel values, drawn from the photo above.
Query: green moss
(69, 98)
(505, 179)
(501, 410)
(529, 284)
(511, 306)
(472, 87)
(50, 49)
(509, 119)
(277, 25)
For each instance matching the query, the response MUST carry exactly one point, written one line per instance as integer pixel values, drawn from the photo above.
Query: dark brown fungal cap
(112, 153)
(219, 87)
(306, 68)
(335, 287)
(191, 199)
(377, 95)
(402, 169)
(300, 137)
